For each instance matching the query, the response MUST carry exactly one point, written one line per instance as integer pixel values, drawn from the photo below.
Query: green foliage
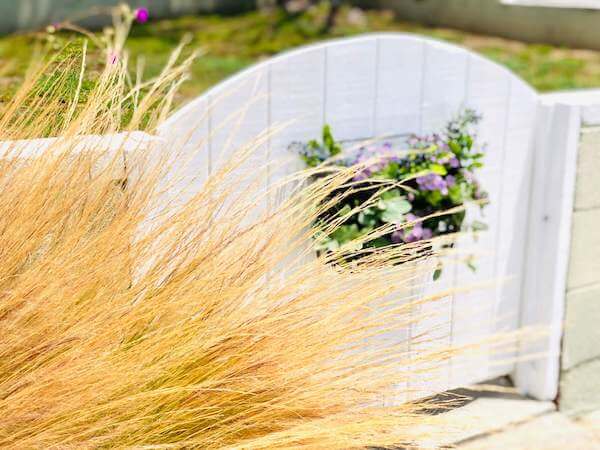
(437, 174)
(232, 43)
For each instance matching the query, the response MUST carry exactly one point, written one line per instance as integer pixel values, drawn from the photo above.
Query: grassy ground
(232, 43)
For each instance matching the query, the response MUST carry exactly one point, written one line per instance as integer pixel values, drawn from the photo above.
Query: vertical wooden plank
(397, 112)
(297, 96)
(444, 81)
(431, 331)
(399, 85)
(186, 155)
(548, 243)
(297, 102)
(475, 311)
(238, 120)
(238, 113)
(514, 207)
(444, 84)
(350, 87)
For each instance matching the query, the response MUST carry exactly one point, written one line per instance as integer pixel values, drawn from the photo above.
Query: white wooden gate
(388, 85)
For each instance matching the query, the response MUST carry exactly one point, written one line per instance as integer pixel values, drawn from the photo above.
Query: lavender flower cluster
(437, 174)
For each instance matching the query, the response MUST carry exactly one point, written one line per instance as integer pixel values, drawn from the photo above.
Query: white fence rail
(392, 84)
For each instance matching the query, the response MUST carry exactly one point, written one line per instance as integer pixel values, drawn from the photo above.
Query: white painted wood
(350, 91)
(117, 151)
(390, 85)
(296, 103)
(512, 222)
(400, 62)
(475, 312)
(188, 157)
(31, 148)
(588, 99)
(444, 84)
(238, 113)
(238, 119)
(443, 94)
(548, 242)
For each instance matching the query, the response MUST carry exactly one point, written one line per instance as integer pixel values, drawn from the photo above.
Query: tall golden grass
(195, 325)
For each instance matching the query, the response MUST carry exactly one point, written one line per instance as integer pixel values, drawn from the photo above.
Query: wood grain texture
(548, 245)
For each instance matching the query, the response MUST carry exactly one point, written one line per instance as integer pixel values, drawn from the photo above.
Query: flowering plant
(436, 178)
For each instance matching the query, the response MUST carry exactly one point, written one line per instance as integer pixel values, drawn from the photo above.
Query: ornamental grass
(130, 318)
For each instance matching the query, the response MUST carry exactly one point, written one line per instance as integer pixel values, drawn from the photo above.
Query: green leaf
(434, 198)
(468, 141)
(456, 195)
(367, 218)
(437, 274)
(346, 233)
(455, 147)
(393, 193)
(327, 244)
(329, 142)
(379, 242)
(395, 209)
(344, 211)
(391, 171)
(439, 169)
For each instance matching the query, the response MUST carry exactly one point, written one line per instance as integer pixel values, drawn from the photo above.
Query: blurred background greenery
(230, 43)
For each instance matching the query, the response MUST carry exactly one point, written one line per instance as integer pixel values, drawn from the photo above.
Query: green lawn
(232, 43)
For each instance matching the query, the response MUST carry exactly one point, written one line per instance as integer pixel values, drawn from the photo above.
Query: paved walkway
(511, 422)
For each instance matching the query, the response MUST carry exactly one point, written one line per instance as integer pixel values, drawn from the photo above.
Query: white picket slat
(400, 63)
(350, 88)
(547, 245)
(488, 92)
(444, 84)
(443, 95)
(297, 87)
(188, 137)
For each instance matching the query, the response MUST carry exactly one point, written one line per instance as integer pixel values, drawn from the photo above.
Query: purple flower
(433, 182)
(142, 15)
(398, 236)
(427, 233)
(454, 162)
(361, 176)
(450, 181)
(414, 233)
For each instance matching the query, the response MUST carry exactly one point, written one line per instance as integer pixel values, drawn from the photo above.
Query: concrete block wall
(580, 365)
(570, 26)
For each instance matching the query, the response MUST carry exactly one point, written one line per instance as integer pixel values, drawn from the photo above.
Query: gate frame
(544, 273)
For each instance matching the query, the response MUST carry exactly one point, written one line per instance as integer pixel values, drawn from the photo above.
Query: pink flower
(142, 15)
(112, 58)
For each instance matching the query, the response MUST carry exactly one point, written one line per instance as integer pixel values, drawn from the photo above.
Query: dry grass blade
(209, 329)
